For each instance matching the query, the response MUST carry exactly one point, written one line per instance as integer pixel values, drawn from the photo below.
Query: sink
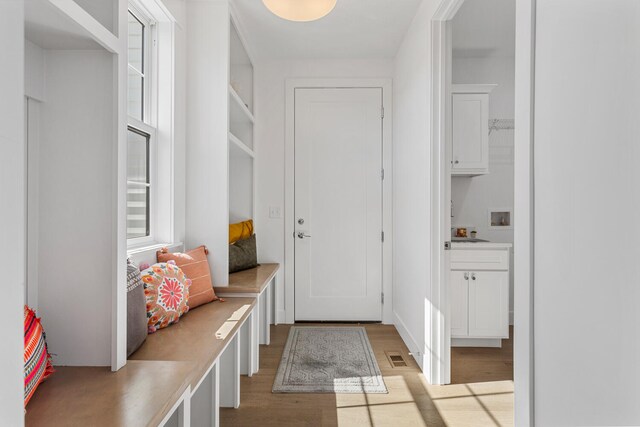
(468, 240)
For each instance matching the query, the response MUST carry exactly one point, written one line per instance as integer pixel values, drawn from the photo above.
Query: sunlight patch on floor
(398, 407)
(477, 404)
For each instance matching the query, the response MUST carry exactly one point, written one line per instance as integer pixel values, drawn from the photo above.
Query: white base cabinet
(479, 288)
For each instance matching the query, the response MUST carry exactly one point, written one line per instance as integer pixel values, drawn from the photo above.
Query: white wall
(587, 199)
(412, 176)
(270, 77)
(75, 234)
(12, 214)
(102, 11)
(473, 197)
(207, 175)
(177, 8)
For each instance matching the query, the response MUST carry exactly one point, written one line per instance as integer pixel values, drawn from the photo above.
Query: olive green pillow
(243, 254)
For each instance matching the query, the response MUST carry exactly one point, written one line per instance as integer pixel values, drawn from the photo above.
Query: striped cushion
(37, 361)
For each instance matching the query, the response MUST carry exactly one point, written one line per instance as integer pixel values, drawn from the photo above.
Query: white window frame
(149, 123)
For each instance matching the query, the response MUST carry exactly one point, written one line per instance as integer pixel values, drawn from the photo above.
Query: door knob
(473, 277)
(466, 276)
(300, 221)
(301, 235)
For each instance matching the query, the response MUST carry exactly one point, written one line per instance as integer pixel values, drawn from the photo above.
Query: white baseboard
(409, 340)
(476, 342)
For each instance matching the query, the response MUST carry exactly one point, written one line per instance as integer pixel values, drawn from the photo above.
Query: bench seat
(252, 281)
(259, 282)
(193, 338)
(139, 394)
(156, 385)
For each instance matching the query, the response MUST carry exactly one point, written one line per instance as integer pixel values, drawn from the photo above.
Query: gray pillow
(243, 255)
(136, 309)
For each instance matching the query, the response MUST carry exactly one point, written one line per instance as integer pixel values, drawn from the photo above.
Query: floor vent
(396, 359)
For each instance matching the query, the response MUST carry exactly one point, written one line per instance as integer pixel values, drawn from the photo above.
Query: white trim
(387, 102)
(241, 145)
(89, 24)
(183, 409)
(409, 340)
(437, 314)
(236, 98)
(476, 342)
(523, 205)
(119, 200)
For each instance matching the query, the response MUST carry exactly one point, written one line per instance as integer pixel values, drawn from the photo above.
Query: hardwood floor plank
(482, 393)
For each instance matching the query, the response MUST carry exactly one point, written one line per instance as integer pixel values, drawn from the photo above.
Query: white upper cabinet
(470, 129)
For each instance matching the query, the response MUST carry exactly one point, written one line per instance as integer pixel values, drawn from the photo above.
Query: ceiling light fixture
(300, 10)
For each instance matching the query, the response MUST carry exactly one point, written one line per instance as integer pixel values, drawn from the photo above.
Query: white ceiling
(354, 29)
(485, 28)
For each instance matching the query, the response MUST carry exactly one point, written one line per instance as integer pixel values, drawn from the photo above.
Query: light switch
(275, 212)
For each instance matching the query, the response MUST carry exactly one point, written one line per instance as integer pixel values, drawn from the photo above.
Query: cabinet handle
(473, 276)
(466, 276)
(456, 162)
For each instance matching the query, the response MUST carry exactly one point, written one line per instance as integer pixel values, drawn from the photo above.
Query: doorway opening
(471, 141)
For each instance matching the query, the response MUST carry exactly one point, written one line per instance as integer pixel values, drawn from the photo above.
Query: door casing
(287, 315)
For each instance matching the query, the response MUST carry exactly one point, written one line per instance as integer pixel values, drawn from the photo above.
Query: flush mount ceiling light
(300, 10)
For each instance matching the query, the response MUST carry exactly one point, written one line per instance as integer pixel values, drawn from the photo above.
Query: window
(141, 131)
(138, 184)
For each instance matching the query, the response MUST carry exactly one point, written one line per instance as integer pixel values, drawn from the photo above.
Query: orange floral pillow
(166, 290)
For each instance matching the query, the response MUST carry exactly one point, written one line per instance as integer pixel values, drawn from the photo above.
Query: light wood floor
(482, 393)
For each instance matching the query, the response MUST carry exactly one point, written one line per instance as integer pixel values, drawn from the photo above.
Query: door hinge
(382, 112)
(382, 297)
(447, 246)
(382, 174)
(382, 236)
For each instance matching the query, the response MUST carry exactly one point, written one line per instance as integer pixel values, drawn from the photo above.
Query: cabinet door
(470, 134)
(459, 304)
(489, 304)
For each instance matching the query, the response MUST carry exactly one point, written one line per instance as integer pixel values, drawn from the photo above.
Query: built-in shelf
(241, 126)
(70, 57)
(239, 110)
(63, 24)
(239, 147)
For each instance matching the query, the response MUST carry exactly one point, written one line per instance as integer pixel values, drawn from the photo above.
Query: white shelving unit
(241, 121)
(77, 178)
(220, 124)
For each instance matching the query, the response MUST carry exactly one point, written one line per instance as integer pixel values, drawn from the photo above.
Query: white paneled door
(338, 204)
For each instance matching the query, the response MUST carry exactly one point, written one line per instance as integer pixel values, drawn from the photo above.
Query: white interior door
(338, 204)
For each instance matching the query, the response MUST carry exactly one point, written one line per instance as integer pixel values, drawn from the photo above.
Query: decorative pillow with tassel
(195, 266)
(37, 361)
(166, 290)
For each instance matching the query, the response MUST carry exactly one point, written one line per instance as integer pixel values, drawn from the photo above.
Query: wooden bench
(140, 394)
(180, 376)
(219, 341)
(259, 282)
